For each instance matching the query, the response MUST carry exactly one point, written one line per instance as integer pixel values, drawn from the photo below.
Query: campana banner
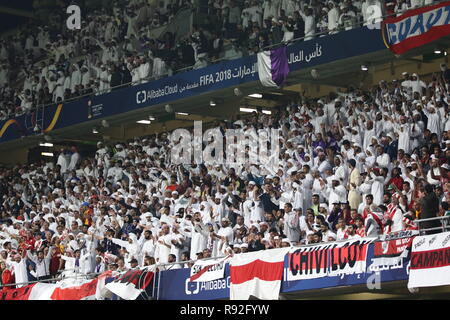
(430, 261)
(227, 74)
(417, 27)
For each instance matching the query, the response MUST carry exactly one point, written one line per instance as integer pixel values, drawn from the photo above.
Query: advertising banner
(349, 270)
(176, 285)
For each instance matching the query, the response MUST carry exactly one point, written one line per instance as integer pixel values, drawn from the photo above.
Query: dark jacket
(116, 79)
(255, 246)
(430, 209)
(268, 205)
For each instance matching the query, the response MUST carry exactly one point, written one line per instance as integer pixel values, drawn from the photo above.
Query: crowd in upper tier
(45, 62)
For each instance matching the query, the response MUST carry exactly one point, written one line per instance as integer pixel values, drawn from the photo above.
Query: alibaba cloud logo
(191, 287)
(141, 97)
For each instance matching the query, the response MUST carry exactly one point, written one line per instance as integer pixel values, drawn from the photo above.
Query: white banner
(208, 270)
(257, 274)
(328, 259)
(430, 261)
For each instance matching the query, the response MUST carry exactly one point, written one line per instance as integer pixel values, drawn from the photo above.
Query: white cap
(332, 235)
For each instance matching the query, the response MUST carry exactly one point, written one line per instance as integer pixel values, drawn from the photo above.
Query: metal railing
(77, 276)
(445, 225)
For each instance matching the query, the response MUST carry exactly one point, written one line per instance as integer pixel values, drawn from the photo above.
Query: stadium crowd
(46, 63)
(352, 164)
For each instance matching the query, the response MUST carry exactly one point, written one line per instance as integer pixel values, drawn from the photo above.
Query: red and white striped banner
(417, 27)
(86, 290)
(257, 274)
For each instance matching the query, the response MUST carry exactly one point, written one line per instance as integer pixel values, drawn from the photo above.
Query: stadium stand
(115, 47)
(353, 164)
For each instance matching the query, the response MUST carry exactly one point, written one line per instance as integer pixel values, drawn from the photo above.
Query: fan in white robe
(19, 269)
(206, 212)
(404, 139)
(199, 236)
(131, 245)
(164, 245)
(434, 122)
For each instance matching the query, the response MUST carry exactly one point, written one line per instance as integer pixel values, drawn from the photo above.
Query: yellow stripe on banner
(383, 35)
(6, 125)
(55, 119)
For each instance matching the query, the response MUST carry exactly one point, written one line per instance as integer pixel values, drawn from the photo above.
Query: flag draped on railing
(62, 290)
(258, 274)
(273, 67)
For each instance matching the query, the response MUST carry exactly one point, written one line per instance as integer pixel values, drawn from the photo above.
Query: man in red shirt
(173, 186)
(366, 209)
(6, 276)
(361, 230)
(396, 181)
